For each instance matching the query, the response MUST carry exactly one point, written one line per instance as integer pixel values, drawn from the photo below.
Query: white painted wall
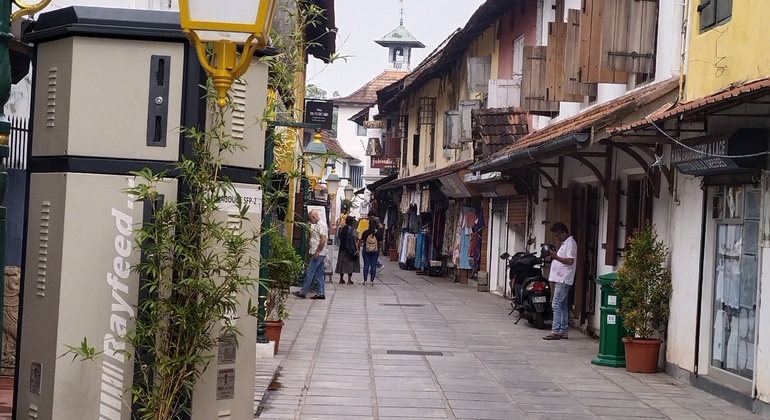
(353, 144)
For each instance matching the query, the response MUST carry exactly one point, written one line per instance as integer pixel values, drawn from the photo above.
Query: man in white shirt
(563, 276)
(319, 234)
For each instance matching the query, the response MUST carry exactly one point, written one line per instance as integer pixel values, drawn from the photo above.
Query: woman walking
(347, 256)
(371, 240)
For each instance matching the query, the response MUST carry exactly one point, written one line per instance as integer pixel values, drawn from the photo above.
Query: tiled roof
(332, 145)
(429, 175)
(500, 127)
(596, 116)
(724, 98)
(367, 94)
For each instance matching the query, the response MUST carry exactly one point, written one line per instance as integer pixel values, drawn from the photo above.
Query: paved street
(334, 362)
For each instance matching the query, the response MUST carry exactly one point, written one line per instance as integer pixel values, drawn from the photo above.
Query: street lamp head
(333, 182)
(315, 157)
(348, 191)
(238, 22)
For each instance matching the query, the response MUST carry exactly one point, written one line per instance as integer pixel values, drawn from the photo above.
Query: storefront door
(736, 211)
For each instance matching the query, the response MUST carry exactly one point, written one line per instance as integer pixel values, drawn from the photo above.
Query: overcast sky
(360, 22)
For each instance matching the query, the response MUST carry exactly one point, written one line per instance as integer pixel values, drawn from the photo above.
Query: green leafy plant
(285, 266)
(644, 284)
(349, 204)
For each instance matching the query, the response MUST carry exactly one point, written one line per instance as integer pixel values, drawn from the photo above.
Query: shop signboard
(744, 149)
(320, 112)
(384, 162)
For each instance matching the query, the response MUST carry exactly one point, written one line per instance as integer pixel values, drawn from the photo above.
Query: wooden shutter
(533, 85)
(628, 43)
(517, 210)
(574, 85)
(613, 212)
(556, 77)
(466, 119)
(452, 130)
(479, 73)
(416, 150)
(596, 31)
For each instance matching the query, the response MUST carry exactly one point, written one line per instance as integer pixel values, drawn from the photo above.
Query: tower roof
(400, 36)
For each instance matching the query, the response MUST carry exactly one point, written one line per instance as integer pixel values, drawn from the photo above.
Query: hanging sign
(709, 155)
(319, 112)
(384, 162)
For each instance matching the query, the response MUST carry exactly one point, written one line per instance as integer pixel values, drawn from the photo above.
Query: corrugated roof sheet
(429, 175)
(367, 94)
(596, 116)
(721, 99)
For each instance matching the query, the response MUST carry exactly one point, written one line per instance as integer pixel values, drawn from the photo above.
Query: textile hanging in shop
(414, 220)
(425, 201)
(439, 226)
(478, 230)
(468, 221)
(450, 228)
(411, 245)
(404, 207)
(419, 257)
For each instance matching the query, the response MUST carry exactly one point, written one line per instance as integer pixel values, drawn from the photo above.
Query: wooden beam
(544, 174)
(593, 168)
(608, 161)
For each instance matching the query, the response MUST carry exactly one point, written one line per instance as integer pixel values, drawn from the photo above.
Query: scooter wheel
(539, 321)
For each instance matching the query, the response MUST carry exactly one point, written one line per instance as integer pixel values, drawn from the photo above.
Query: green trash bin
(611, 350)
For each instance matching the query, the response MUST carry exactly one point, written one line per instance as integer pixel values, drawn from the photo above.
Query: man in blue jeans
(319, 234)
(563, 276)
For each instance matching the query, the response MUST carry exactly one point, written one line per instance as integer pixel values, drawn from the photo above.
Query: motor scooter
(531, 291)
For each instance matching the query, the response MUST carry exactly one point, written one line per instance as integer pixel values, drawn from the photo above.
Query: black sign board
(319, 112)
(711, 155)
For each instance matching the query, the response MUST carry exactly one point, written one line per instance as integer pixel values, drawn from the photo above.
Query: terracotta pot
(642, 354)
(274, 333)
(393, 254)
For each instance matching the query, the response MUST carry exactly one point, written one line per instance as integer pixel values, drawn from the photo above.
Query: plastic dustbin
(611, 350)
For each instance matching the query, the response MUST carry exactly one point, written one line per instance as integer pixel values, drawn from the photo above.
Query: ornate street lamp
(5, 126)
(333, 183)
(227, 24)
(315, 158)
(348, 191)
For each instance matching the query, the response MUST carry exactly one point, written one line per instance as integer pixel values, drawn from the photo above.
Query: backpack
(371, 243)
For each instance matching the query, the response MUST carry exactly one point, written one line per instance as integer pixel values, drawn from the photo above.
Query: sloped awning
(574, 132)
(378, 183)
(726, 98)
(449, 176)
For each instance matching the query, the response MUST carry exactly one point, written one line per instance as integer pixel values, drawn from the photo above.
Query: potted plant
(644, 288)
(284, 266)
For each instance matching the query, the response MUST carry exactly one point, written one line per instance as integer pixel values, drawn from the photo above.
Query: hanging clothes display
(450, 228)
(439, 226)
(478, 230)
(419, 259)
(404, 205)
(468, 221)
(425, 201)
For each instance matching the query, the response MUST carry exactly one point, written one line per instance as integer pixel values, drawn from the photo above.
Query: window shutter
(556, 53)
(517, 210)
(479, 73)
(613, 212)
(629, 35)
(707, 12)
(574, 84)
(452, 130)
(590, 43)
(533, 83)
(466, 119)
(504, 93)
(724, 10)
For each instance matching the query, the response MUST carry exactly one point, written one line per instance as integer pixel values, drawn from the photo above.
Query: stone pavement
(334, 362)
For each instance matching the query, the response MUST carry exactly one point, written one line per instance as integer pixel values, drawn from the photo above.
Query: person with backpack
(347, 257)
(371, 239)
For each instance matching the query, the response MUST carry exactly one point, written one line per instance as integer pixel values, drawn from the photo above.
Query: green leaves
(644, 284)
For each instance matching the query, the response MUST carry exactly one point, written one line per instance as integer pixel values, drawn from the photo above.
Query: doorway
(497, 245)
(585, 229)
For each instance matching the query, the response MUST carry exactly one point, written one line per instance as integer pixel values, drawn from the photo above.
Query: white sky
(360, 22)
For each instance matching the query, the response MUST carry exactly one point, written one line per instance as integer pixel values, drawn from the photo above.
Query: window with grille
(427, 111)
(714, 13)
(357, 176)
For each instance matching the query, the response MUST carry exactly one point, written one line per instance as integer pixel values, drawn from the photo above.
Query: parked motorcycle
(531, 291)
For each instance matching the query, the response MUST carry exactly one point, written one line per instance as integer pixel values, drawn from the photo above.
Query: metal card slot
(157, 105)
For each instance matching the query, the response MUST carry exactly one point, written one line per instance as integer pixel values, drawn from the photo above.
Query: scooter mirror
(504, 256)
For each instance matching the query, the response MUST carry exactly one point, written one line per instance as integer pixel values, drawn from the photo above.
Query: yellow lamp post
(315, 155)
(227, 24)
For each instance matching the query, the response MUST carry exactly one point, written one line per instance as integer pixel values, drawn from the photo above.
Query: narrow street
(336, 361)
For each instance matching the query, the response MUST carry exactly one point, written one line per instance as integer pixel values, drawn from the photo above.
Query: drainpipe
(699, 308)
(513, 158)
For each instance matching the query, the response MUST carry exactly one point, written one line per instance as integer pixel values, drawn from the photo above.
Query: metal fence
(18, 143)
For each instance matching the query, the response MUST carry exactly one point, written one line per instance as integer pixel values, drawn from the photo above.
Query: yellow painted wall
(733, 52)
(443, 89)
